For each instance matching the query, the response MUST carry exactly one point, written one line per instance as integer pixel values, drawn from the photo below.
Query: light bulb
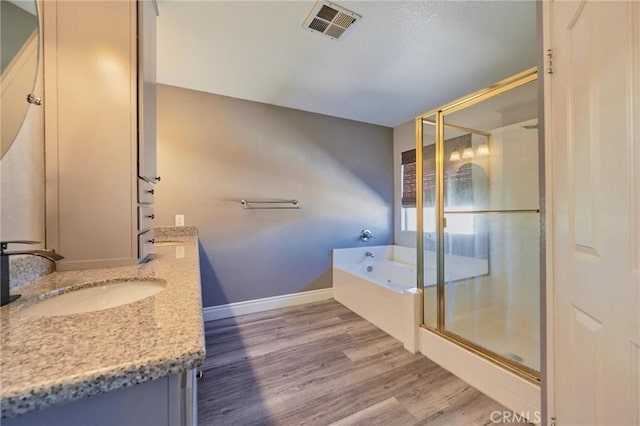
(483, 149)
(455, 155)
(467, 153)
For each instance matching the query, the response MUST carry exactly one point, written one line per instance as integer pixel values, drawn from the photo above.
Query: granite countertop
(45, 361)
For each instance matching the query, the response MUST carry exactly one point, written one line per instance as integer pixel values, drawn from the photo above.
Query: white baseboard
(211, 313)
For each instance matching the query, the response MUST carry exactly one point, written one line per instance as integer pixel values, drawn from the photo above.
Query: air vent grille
(330, 19)
(334, 31)
(344, 20)
(318, 25)
(327, 13)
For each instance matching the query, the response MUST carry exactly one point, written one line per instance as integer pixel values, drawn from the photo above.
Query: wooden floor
(321, 364)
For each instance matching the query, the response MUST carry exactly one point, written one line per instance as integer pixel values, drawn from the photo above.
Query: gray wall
(404, 139)
(214, 151)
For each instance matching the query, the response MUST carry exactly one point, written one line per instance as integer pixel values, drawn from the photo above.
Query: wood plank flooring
(321, 364)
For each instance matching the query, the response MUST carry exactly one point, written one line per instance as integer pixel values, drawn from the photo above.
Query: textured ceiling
(400, 60)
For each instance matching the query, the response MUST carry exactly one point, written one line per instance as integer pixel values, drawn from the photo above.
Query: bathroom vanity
(131, 364)
(91, 346)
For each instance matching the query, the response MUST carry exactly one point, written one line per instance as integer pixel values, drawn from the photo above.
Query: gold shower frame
(474, 98)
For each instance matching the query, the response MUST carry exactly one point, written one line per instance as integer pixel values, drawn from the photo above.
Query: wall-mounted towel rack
(270, 204)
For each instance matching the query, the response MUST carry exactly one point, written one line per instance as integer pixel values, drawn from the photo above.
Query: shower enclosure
(478, 223)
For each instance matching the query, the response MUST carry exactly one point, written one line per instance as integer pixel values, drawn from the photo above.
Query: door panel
(594, 119)
(586, 347)
(583, 147)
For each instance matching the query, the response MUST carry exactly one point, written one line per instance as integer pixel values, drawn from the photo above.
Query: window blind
(429, 169)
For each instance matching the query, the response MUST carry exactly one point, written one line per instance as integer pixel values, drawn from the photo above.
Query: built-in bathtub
(396, 276)
(380, 288)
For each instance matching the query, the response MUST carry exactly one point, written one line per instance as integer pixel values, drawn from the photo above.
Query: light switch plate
(179, 220)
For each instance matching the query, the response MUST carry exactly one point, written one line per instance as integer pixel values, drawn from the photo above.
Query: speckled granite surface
(168, 232)
(47, 361)
(24, 269)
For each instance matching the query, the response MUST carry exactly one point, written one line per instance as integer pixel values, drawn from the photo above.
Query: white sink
(95, 298)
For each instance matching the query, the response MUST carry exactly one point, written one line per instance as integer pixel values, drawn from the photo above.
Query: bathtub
(396, 276)
(382, 288)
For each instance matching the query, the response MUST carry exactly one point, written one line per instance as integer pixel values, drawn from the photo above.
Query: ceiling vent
(330, 20)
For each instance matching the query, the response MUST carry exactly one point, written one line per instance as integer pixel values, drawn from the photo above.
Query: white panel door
(594, 116)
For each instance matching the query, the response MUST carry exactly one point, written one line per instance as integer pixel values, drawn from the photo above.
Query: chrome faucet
(5, 297)
(369, 254)
(366, 235)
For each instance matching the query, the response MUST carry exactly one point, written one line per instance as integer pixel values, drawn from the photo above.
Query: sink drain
(514, 357)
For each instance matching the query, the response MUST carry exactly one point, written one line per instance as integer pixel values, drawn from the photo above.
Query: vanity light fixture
(468, 153)
(455, 155)
(483, 150)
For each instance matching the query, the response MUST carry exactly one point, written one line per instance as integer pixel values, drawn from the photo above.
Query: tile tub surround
(48, 361)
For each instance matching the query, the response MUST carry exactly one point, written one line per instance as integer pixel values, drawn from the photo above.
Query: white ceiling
(402, 59)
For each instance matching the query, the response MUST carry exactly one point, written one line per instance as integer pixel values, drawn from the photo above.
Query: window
(458, 182)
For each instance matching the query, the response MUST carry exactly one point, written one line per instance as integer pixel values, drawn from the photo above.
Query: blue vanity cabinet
(168, 401)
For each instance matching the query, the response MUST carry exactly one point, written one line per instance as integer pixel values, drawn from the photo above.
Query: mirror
(18, 64)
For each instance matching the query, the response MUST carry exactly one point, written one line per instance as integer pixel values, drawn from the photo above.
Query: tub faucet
(369, 254)
(366, 235)
(5, 297)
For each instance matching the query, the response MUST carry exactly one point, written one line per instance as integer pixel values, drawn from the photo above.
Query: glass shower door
(492, 226)
(428, 251)
(478, 222)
